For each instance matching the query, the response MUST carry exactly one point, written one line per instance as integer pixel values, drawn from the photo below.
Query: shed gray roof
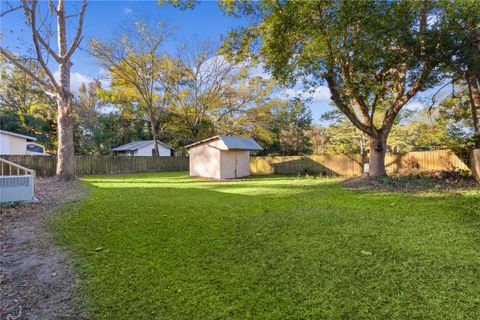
(18, 135)
(135, 145)
(232, 143)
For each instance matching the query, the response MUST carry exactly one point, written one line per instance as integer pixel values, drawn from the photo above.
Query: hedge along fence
(343, 165)
(91, 165)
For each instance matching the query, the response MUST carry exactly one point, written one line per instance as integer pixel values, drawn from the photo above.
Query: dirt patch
(37, 279)
(441, 181)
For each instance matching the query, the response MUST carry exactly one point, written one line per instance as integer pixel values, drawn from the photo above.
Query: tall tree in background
(86, 109)
(25, 108)
(139, 72)
(207, 78)
(375, 56)
(338, 135)
(462, 21)
(42, 38)
(453, 119)
(290, 123)
(217, 96)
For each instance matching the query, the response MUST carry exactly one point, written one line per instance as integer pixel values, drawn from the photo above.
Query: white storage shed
(221, 157)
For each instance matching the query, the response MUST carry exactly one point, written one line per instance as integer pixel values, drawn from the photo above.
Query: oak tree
(141, 75)
(461, 46)
(374, 56)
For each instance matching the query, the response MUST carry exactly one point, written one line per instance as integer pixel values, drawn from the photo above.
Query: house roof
(232, 143)
(135, 145)
(18, 135)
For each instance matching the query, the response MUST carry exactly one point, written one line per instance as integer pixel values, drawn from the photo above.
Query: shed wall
(205, 160)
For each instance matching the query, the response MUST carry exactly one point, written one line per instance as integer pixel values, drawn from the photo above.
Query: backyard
(168, 246)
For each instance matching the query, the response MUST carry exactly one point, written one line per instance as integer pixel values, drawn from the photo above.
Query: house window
(34, 148)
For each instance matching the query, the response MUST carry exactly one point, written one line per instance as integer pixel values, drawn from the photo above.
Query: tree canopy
(375, 56)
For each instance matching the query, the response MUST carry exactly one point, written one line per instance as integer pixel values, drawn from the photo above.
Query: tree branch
(339, 103)
(35, 30)
(11, 9)
(38, 50)
(45, 85)
(403, 98)
(78, 36)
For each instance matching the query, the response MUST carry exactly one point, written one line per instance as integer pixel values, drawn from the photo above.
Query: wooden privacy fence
(43, 166)
(91, 165)
(343, 165)
(330, 165)
(427, 160)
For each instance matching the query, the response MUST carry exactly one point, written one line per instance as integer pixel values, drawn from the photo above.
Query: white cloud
(414, 106)
(319, 94)
(105, 78)
(127, 11)
(259, 71)
(214, 62)
(76, 80)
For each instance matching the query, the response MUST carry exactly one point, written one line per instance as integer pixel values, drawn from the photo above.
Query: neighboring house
(15, 143)
(35, 149)
(143, 149)
(221, 157)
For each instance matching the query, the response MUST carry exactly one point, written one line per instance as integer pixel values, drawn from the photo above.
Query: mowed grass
(166, 246)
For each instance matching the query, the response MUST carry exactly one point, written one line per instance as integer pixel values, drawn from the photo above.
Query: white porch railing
(17, 183)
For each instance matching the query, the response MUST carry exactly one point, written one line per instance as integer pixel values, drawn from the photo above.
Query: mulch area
(441, 181)
(37, 279)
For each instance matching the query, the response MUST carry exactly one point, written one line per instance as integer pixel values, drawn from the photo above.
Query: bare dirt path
(37, 279)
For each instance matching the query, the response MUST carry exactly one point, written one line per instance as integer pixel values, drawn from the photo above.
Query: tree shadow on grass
(303, 165)
(181, 252)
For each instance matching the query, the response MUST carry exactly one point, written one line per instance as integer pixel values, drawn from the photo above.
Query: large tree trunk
(376, 161)
(474, 94)
(155, 139)
(65, 150)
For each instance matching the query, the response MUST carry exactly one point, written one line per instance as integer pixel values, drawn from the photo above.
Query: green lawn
(165, 246)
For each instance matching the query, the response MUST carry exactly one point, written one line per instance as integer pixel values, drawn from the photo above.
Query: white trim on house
(18, 135)
(15, 143)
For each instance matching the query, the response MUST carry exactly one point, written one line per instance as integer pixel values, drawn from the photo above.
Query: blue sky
(205, 22)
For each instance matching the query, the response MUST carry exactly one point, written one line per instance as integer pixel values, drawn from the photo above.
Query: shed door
(236, 164)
